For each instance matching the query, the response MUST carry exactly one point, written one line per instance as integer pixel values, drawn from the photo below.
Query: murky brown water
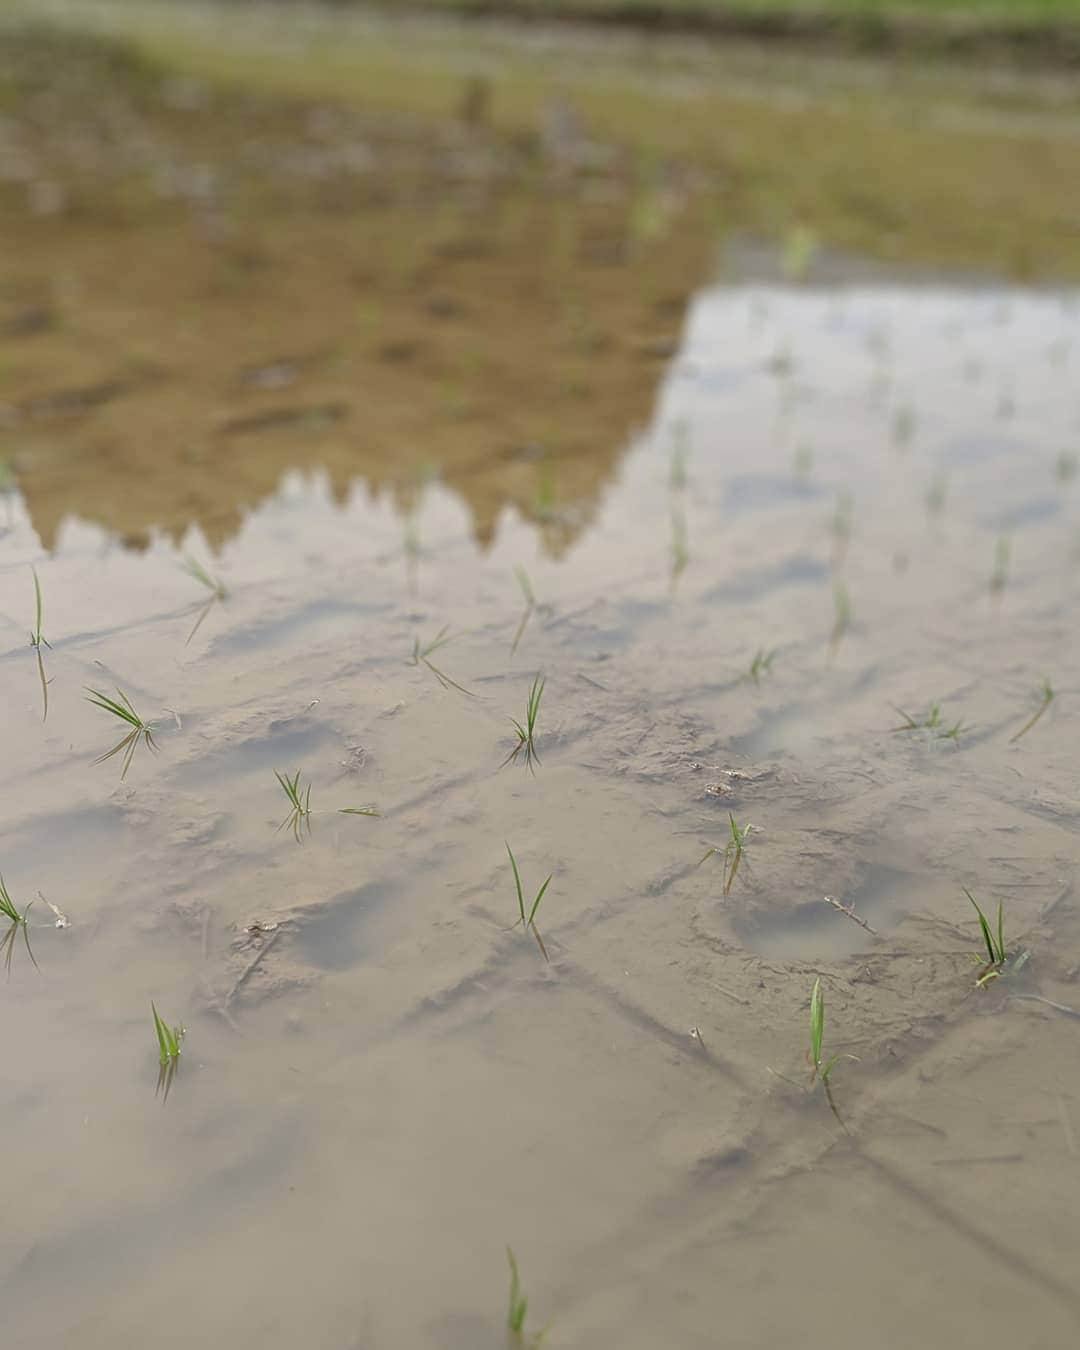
(363, 396)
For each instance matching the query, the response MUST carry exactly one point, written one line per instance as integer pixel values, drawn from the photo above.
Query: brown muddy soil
(362, 367)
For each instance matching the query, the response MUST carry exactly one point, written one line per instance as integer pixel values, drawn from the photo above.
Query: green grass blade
(358, 811)
(539, 897)
(520, 632)
(37, 608)
(133, 741)
(526, 586)
(159, 1027)
(445, 680)
(987, 935)
(291, 789)
(199, 621)
(123, 710)
(197, 572)
(7, 905)
(1001, 930)
(732, 858)
(532, 710)
(128, 741)
(517, 881)
(26, 937)
(518, 1302)
(44, 683)
(817, 1023)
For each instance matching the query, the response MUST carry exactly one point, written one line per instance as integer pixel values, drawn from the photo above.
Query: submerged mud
(764, 526)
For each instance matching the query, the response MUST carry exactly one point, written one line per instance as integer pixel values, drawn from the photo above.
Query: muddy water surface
(363, 411)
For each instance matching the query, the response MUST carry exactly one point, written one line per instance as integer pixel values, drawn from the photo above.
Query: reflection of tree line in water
(491, 311)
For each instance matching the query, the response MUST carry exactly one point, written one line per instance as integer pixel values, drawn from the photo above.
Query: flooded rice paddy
(792, 538)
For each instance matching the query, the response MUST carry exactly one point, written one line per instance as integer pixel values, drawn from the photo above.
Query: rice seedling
(199, 573)
(800, 248)
(519, 1305)
(411, 546)
(17, 922)
(421, 655)
(37, 638)
(528, 921)
(680, 551)
(680, 456)
(530, 604)
(844, 615)
(544, 503)
(1006, 406)
(168, 1039)
(954, 732)
(1000, 575)
(519, 1302)
(526, 734)
(937, 495)
(299, 817)
(820, 1068)
(37, 641)
(903, 425)
(782, 362)
(121, 708)
(932, 721)
(928, 721)
(802, 461)
(213, 584)
(648, 217)
(843, 522)
(994, 939)
(732, 852)
(1046, 695)
(761, 664)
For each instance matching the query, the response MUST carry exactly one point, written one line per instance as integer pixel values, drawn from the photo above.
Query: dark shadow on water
(336, 937)
(814, 929)
(801, 570)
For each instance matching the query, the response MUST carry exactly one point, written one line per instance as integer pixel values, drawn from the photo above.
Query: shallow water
(382, 1083)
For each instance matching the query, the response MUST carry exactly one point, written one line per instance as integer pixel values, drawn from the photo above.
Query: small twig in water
(850, 912)
(1058, 1007)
